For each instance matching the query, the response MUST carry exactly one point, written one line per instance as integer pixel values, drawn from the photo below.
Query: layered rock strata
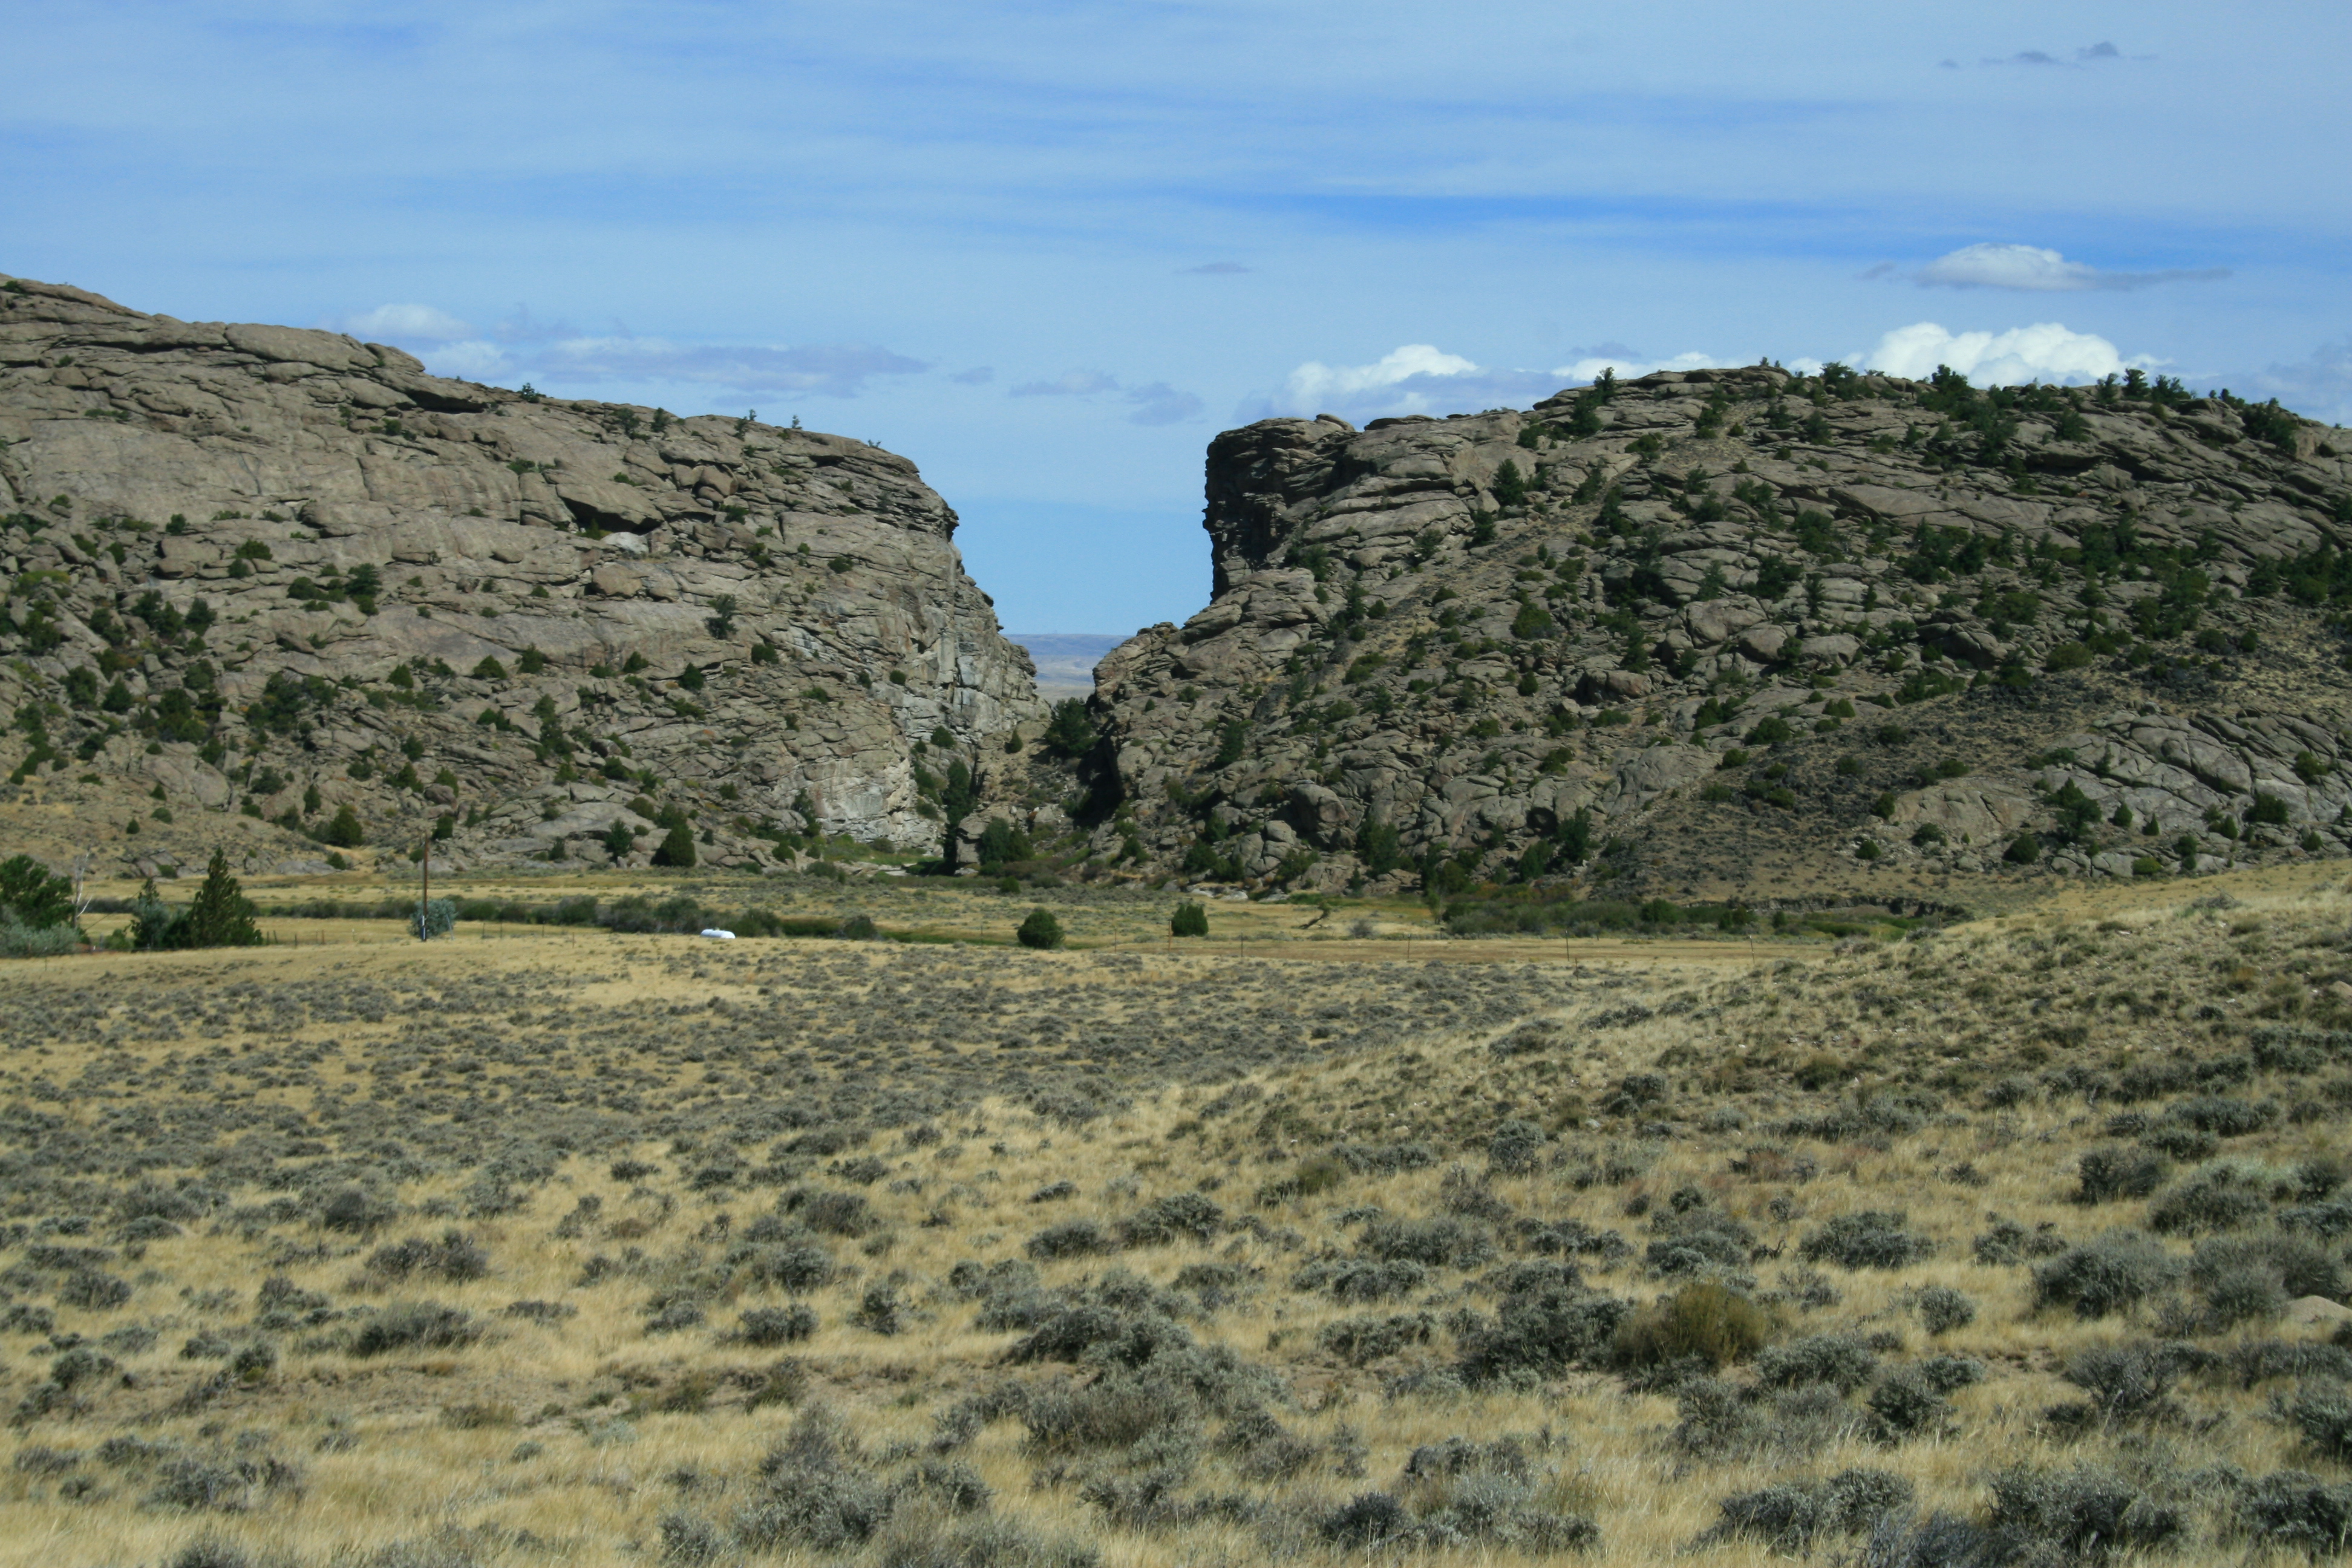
(272, 573)
(1674, 630)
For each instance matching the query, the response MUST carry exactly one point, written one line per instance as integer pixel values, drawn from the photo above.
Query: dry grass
(975, 1080)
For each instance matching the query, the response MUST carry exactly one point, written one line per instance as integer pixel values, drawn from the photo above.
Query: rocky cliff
(1710, 632)
(256, 575)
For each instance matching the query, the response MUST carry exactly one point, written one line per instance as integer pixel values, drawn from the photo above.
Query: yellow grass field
(1277, 1245)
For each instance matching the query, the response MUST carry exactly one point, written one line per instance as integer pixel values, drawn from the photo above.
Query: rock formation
(1696, 631)
(268, 573)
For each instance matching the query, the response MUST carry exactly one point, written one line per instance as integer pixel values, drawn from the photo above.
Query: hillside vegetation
(1710, 633)
(281, 591)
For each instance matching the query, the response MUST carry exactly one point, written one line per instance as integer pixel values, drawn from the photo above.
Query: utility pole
(425, 896)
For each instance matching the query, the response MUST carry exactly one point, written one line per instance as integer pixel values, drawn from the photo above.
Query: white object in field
(721, 935)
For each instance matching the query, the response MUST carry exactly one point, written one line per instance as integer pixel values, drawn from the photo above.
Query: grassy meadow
(2022, 1239)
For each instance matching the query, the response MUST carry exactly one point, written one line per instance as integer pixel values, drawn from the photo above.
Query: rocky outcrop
(1670, 629)
(270, 571)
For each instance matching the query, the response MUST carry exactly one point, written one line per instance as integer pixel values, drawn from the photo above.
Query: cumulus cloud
(1330, 385)
(1158, 404)
(1422, 378)
(2044, 351)
(2034, 270)
(405, 324)
(978, 376)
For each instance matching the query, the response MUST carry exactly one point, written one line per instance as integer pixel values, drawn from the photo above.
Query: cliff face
(246, 562)
(1704, 631)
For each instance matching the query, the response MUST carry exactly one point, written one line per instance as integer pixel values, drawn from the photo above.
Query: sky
(1048, 250)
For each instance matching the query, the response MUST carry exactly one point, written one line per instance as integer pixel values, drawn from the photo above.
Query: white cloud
(2044, 351)
(406, 325)
(2036, 270)
(1420, 378)
(2007, 267)
(1333, 385)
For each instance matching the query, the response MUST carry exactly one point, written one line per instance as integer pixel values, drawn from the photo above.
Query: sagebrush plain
(2016, 1239)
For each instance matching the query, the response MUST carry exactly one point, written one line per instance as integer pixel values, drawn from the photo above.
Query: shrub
(2324, 1416)
(453, 1257)
(1185, 1215)
(1943, 1309)
(78, 1364)
(2010, 1242)
(2223, 1116)
(1040, 931)
(839, 1214)
(2014, 1090)
(1358, 1279)
(1911, 1398)
(1546, 1328)
(2297, 1512)
(1071, 1238)
(1704, 1321)
(811, 1492)
(776, 1325)
(1866, 1239)
(2244, 1278)
(1704, 1241)
(988, 1542)
(93, 1292)
(2217, 1197)
(2179, 1142)
(1515, 1148)
(2086, 1509)
(1791, 1516)
(1360, 1340)
(413, 1325)
(1839, 1361)
(670, 1315)
(789, 1264)
(2125, 1382)
(2108, 1273)
(1190, 919)
(2103, 1175)
(1483, 1495)
(880, 1310)
(1440, 1241)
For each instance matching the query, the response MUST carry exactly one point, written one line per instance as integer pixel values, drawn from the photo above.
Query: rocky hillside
(257, 575)
(1706, 633)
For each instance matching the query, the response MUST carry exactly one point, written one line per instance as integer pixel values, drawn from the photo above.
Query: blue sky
(1047, 250)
